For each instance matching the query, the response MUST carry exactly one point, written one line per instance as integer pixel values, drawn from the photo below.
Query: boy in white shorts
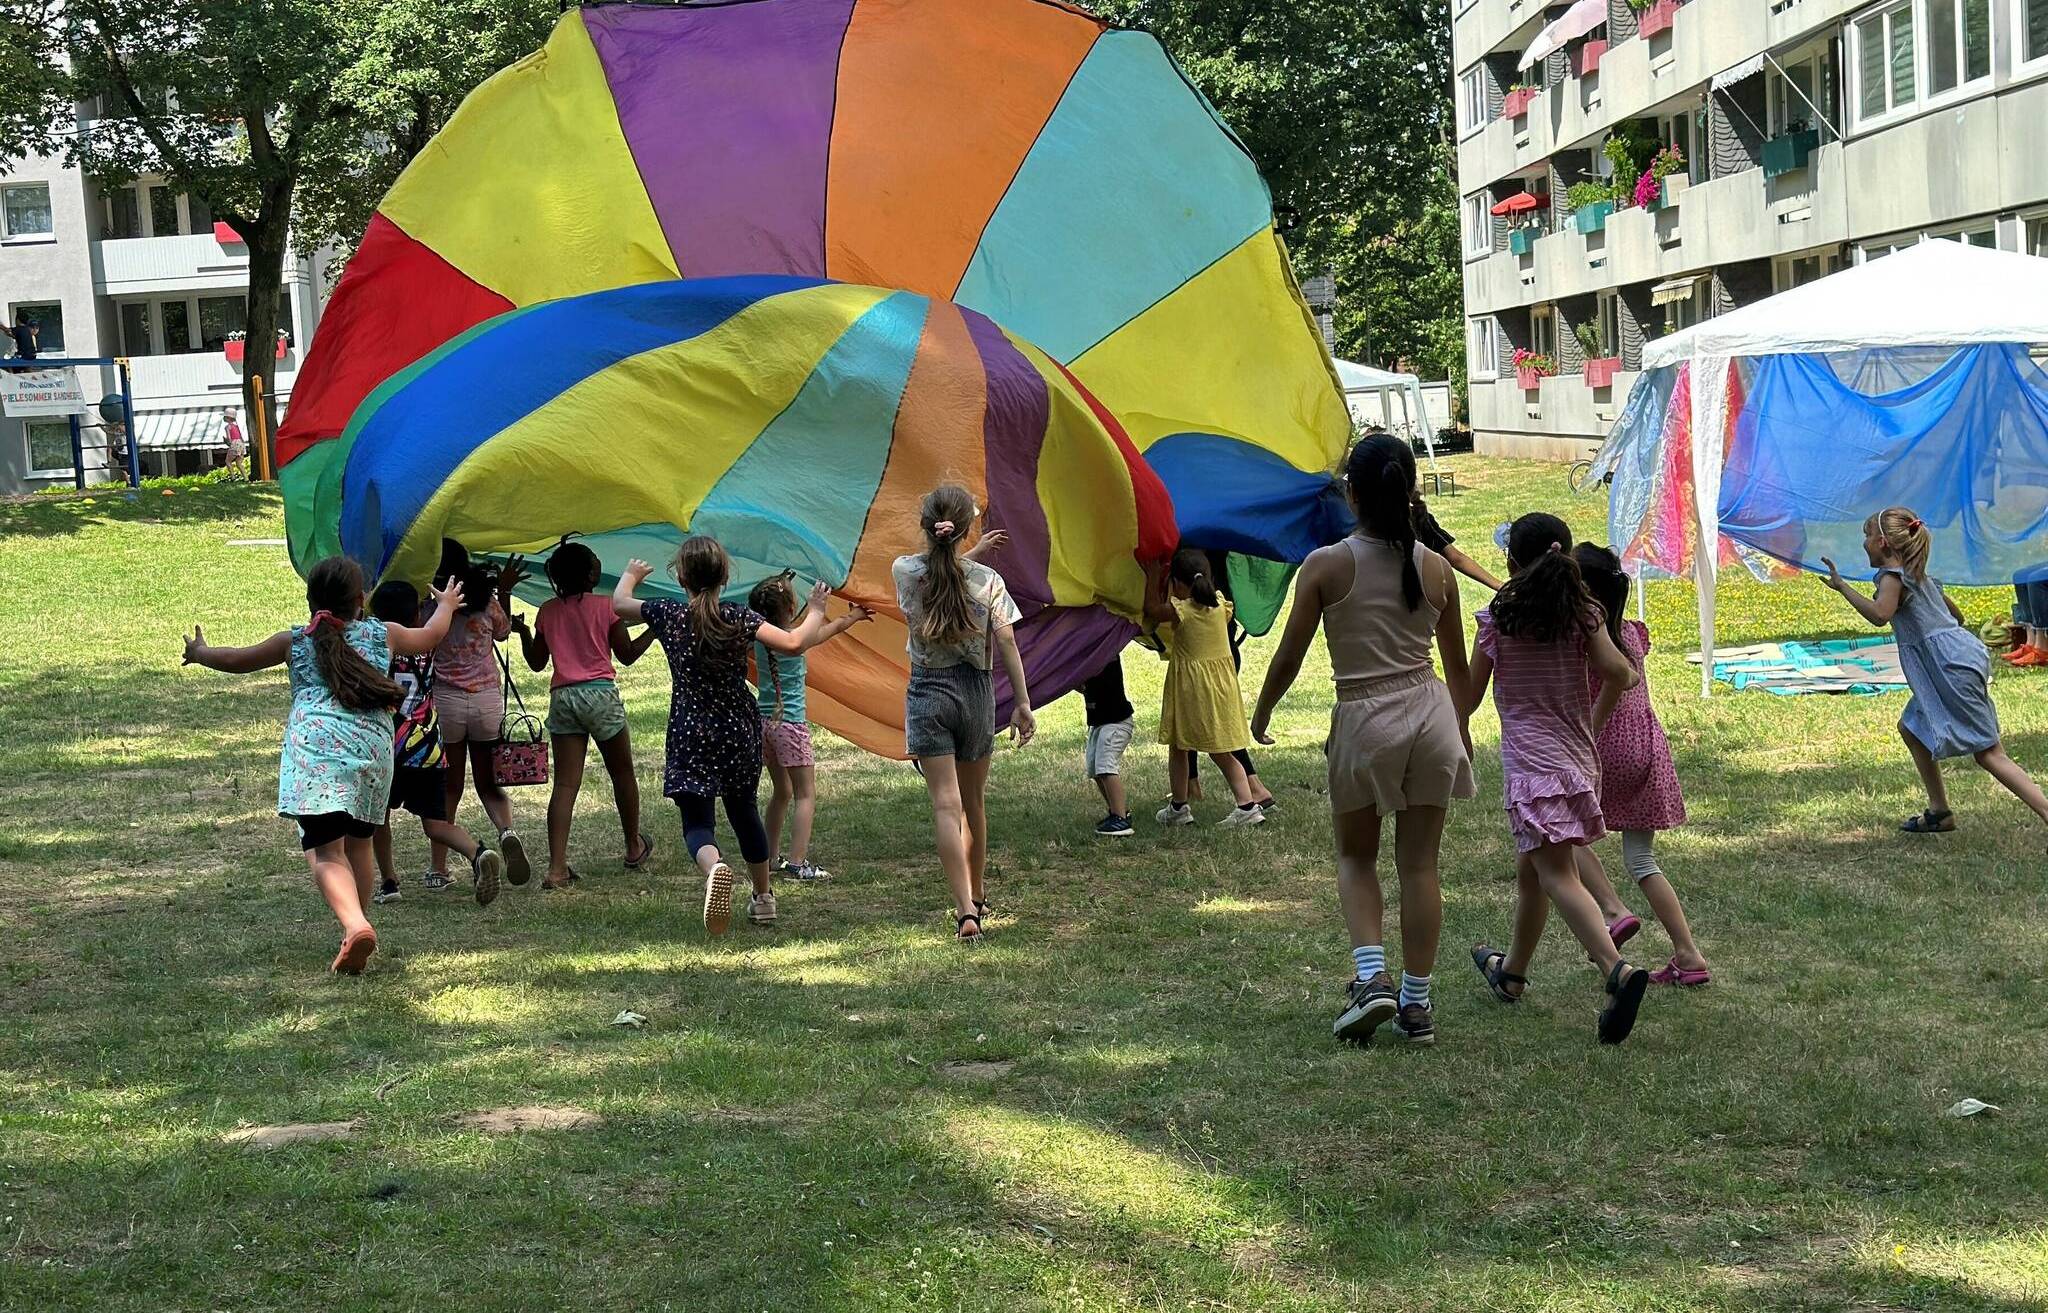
(1110, 729)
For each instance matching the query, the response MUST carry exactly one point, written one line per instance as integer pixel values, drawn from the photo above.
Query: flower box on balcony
(1674, 184)
(1600, 371)
(1523, 240)
(1586, 59)
(226, 236)
(1656, 18)
(1528, 378)
(1518, 102)
(1789, 151)
(1592, 218)
(236, 349)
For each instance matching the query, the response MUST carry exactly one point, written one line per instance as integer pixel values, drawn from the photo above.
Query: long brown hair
(1545, 598)
(945, 610)
(702, 568)
(1606, 583)
(334, 594)
(775, 599)
(1905, 536)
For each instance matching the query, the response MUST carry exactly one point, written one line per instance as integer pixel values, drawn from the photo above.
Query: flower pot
(1517, 103)
(1528, 378)
(1600, 371)
(1657, 18)
(1789, 151)
(235, 350)
(1523, 240)
(1586, 59)
(1592, 218)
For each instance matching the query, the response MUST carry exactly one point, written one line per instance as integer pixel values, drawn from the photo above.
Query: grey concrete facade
(1851, 138)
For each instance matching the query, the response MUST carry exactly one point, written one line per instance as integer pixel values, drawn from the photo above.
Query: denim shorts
(950, 711)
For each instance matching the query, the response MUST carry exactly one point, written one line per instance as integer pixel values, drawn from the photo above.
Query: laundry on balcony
(1674, 289)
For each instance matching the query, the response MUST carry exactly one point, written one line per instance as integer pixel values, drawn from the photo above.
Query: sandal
(981, 909)
(569, 877)
(1684, 977)
(1623, 928)
(355, 953)
(1618, 1018)
(1492, 964)
(1930, 822)
(960, 935)
(646, 851)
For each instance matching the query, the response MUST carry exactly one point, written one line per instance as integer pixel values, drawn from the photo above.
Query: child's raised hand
(860, 613)
(449, 596)
(193, 642)
(819, 592)
(512, 574)
(1834, 575)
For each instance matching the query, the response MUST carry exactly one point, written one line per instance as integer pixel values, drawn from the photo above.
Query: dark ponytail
(1545, 598)
(1381, 477)
(334, 594)
(1606, 582)
(1191, 568)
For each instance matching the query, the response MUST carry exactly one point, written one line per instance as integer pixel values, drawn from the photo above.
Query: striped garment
(1549, 763)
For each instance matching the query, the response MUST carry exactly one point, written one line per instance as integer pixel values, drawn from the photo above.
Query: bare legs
(343, 872)
(1995, 761)
(1930, 771)
(960, 824)
(1547, 876)
(1418, 836)
(1657, 891)
(617, 754)
(570, 751)
(794, 799)
(497, 804)
(1177, 774)
(1111, 787)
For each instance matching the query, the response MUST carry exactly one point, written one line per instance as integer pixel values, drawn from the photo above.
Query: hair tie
(942, 530)
(1917, 525)
(322, 618)
(1557, 547)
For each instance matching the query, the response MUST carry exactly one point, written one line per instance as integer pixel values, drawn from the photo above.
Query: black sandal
(1930, 822)
(980, 909)
(1618, 1018)
(960, 924)
(646, 852)
(1497, 977)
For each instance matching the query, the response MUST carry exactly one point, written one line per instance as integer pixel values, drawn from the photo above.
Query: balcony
(1656, 19)
(197, 378)
(1586, 59)
(133, 266)
(1521, 241)
(1517, 103)
(1592, 218)
(1789, 151)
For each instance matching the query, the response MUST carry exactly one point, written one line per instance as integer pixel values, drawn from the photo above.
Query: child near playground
(579, 632)
(1396, 745)
(714, 723)
(334, 775)
(791, 758)
(469, 697)
(1535, 644)
(416, 772)
(1638, 786)
(960, 616)
(1111, 727)
(1947, 667)
(1202, 709)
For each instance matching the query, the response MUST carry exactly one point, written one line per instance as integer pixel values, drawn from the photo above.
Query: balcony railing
(1656, 18)
(1789, 151)
(142, 264)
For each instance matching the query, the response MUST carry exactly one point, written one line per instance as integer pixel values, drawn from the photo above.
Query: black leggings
(700, 821)
(1244, 759)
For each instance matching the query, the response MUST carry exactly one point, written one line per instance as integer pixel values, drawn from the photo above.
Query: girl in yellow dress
(1202, 711)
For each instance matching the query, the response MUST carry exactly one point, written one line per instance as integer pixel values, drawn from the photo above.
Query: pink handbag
(521, 756)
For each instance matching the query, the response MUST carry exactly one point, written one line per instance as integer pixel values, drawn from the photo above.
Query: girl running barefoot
(1946, 665)
(1202, 709)
(959, 614)
(786, 735)
(334, 777)
(1638, 786)
(1535, 644)
(714, 728)
(580, 633)
(471, 697)
(1396, 746)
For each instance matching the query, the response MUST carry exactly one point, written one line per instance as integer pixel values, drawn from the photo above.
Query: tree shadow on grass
(63, 516)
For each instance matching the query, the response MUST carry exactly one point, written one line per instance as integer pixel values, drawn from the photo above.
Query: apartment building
(140, 271)
(1812, 133)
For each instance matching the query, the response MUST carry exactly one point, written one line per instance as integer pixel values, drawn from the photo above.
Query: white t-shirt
(992, 603)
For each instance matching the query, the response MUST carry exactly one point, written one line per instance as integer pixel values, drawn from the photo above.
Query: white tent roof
(1364, 378)
(1938, 293)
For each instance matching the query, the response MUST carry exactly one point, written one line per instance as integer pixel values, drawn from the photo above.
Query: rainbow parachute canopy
(1011, 176)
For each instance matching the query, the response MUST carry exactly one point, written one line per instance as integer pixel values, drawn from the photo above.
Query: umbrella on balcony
(1580, 19)
(1515, 204)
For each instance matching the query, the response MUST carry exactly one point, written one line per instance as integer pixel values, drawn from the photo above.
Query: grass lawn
(1128, 1098)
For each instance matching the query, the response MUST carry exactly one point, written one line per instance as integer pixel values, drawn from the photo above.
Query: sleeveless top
(1371, 633)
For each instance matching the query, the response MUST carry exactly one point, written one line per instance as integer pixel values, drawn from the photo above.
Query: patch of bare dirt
(502, 1121)
(257, 1138)
(975, 1069)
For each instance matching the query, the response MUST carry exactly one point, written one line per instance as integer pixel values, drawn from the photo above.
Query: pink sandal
(1623, 928)
(1684, 977)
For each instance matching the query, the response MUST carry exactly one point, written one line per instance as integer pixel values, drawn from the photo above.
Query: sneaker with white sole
(1242, 816)
(718, 900)
(1368, 1005)
(1114, 827)
(437, 882)
(1414, 1024)
(387, 891)
(485, 868)
(761, 909)
(518, 870)
(806, 871)
(1176, 814)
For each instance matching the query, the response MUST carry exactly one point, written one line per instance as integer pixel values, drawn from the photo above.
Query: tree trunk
(268, 245)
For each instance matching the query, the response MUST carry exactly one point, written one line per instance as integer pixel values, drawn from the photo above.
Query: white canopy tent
(1390, 400)
(1935, 294)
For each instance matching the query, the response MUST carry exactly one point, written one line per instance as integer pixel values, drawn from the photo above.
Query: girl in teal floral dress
(334, 777)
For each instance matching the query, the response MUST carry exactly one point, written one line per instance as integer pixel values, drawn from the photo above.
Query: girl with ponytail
(1202, 709)
(1545, 646)
(1946, 666)
(334, 777)
(1396, 745)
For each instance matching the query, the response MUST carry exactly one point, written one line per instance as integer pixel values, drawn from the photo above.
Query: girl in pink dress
(1638, 787)
(1536, 643)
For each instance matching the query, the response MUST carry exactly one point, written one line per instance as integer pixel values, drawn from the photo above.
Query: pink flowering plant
(1535, 362)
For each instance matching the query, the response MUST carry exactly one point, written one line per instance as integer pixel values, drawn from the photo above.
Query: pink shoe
(1684, 977)
(1623, 928)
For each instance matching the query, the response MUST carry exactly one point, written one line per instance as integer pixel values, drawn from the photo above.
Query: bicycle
(1577, 475)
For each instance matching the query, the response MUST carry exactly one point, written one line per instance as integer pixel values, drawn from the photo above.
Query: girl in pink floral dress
(1536, 643)
(1638, 787)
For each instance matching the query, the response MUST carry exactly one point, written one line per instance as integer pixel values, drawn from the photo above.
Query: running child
(1535, 644)
(786, 734)
(1947, 667)
(960, 616)
(1396, 745)
(1112, 724)
(334, 777)
(416, 783)
(581, 634)
(469, 697)
(1638, 786)
(1202, 709)
(714, 722)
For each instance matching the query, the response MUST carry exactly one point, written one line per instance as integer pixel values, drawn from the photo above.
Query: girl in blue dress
(334, 777)
(1946, 666)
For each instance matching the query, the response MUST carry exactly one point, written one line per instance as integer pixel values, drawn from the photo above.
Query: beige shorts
(468, 717)
(1394, 744)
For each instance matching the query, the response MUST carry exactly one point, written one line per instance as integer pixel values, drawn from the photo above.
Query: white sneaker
(761, 909)
(1240, 817)
(1180, 815)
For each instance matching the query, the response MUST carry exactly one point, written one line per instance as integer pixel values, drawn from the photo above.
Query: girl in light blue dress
(334, 777)
(1946, 667)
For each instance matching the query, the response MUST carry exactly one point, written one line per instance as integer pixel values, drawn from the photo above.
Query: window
(48, 317)
(1543, 331)
(1471, 101)
(1792, 271)
(1884, 62)
(163, 211)
(135, 335)
(1921, 53)
(1609, 320)
(2030, 32)
(201, 217)
(220, 316)
(1804, 95)
(124, 214)
(1689, 309)
(25, 212)
(177, 322)
(1483, 348)
(1478, 225)
(1985, 236)
(2037, 236)
(49, 447)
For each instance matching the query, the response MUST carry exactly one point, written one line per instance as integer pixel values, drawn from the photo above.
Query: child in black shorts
(418, 779)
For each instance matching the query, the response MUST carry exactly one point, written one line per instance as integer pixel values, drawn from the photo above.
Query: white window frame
(1482, 348)
(1543, 323)
(28, 449)
(10, 238)
(1783, 268)
(1471, 101)
(1923, 98)
(1478, 225)
(1607, 316)
(2034, 234)
(1683, 314)
(1963, 232)
(2021, 65)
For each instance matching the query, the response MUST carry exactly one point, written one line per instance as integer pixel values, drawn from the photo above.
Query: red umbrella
(1516, 204)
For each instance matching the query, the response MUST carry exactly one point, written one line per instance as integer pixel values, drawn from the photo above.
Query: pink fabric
(578, 631)
(787, 743)
(468, 659)
(1549, 764)
(1638, 782)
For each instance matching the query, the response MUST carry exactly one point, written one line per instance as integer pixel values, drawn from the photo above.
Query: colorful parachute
(1020, 167)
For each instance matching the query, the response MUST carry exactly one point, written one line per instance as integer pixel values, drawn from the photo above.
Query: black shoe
(1415, 1024)
(1618, 1018)
(387, 892)
(1371, 1003)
